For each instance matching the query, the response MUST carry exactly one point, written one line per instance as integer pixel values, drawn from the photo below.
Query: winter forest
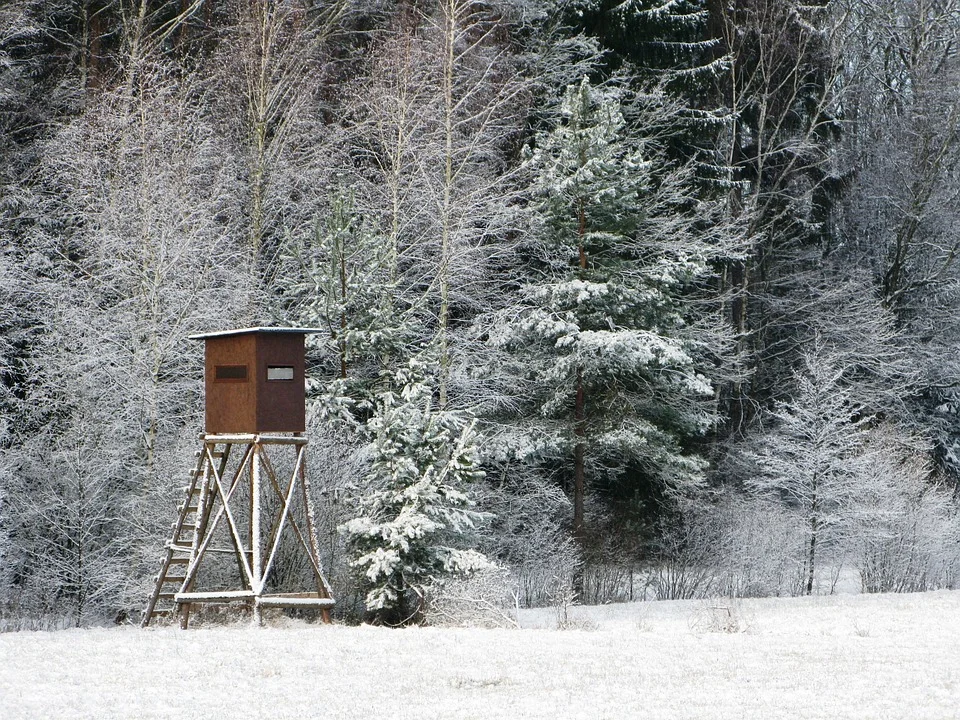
(620, 299)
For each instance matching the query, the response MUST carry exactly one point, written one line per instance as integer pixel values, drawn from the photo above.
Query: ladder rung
(179, 561)
(166, 596)
(179, 546)
(174, 579)
(158, 580)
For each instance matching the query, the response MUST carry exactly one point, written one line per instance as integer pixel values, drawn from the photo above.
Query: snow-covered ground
(846, 656)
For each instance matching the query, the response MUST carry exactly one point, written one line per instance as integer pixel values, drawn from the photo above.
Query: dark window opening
(230, 373)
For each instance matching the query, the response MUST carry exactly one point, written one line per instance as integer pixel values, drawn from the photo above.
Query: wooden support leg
(184, 616)
(255, 540)
(323, 589)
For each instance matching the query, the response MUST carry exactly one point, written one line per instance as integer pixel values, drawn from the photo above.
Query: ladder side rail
(168, 557)
(203, 518)
(157, 588)
(201, 500)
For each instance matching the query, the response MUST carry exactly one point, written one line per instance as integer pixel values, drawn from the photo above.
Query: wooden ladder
(188, 533)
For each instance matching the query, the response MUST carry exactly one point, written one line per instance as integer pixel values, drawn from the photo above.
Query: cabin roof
(251, 330)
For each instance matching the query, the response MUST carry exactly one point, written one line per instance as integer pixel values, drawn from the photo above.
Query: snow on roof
(247, 331)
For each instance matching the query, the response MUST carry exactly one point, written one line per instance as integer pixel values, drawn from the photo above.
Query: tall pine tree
(600, 343)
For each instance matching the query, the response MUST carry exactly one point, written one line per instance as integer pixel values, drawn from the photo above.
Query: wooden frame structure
(232, 500)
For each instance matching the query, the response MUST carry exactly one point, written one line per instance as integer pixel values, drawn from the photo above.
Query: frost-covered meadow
(845, 656)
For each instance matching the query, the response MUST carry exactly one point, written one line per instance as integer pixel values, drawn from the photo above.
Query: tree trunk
(578, 460)
(449, 62)
(342, 340)
(811, 556)
(812, 550)
(93, 30)
(580, 416)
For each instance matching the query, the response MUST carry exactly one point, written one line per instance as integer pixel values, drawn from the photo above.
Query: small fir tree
(417, 514)
(343, 279)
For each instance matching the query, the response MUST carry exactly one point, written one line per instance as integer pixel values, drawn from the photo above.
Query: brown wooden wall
(230, 404)
(281, 404)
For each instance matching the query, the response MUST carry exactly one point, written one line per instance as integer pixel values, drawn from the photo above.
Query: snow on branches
(415, 517)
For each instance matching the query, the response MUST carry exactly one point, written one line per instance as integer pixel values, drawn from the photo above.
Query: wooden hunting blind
(254, 379)
(246, 499)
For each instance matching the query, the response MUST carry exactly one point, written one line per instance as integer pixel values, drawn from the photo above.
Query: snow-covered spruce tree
(604, 359)
(417, 514)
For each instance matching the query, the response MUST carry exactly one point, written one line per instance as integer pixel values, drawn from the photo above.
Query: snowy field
(892, 656)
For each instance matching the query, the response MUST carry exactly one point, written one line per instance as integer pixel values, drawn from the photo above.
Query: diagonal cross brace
(223, 510)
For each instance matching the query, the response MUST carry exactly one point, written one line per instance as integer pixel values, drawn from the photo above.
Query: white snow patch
(836, 657)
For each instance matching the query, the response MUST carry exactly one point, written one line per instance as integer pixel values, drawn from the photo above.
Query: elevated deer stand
(237, 503)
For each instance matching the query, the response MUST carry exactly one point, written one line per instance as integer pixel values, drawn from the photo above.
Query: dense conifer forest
(619, 298)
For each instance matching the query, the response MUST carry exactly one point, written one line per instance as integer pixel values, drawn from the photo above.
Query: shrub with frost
(910, 543)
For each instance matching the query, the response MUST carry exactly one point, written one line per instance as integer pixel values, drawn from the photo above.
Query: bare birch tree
(270, 106)
(433, 123)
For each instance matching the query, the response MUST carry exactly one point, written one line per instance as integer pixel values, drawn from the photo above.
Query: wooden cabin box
(254, 380)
